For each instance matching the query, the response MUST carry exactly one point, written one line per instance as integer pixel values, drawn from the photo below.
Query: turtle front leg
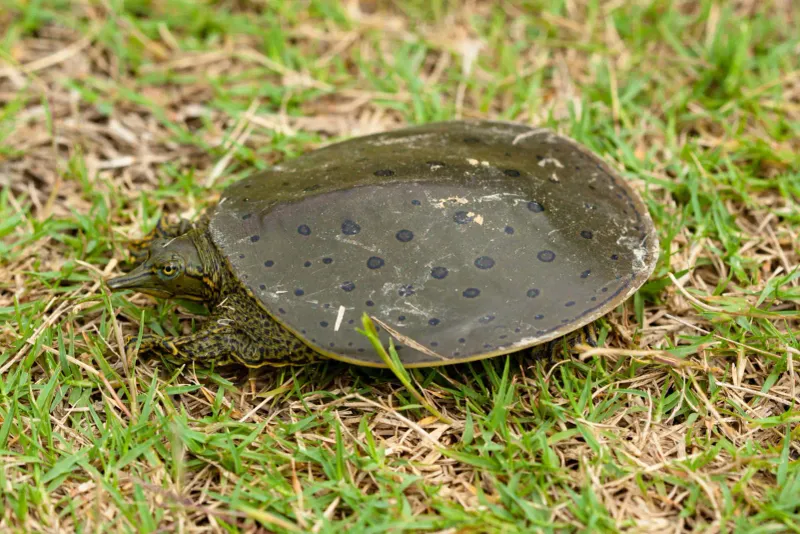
(219, 342)
(139, 248)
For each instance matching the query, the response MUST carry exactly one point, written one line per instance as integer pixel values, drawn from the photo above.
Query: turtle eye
(168, 270)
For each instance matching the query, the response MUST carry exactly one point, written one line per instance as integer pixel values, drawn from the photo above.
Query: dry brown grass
(688, 420)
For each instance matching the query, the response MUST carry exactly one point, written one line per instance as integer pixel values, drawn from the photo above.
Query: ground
(684, 419)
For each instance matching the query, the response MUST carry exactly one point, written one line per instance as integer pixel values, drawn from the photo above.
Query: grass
(114, 113)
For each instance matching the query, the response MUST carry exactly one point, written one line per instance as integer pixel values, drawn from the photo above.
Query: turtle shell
(469, 239)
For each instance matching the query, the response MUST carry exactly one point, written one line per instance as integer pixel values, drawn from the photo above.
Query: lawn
(113, 113)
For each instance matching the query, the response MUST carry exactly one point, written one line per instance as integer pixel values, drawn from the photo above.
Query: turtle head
(174, 268)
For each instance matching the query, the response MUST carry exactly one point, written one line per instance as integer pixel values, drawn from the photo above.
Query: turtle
(466, 239)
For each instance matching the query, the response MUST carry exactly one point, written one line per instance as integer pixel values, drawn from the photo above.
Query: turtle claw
(152, 345)
(147, 343)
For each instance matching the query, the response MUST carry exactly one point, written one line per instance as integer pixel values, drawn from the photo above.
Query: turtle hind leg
(554, 349)
(138, 249)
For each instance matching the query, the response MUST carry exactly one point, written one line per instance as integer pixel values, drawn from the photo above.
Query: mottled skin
(180, 261)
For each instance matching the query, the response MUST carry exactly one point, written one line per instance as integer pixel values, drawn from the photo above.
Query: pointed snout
(140, 279)
(135, 279)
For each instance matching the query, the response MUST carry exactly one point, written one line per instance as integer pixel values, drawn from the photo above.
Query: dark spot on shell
(546, 256)
(593, 299)
(299, 292)
(351, 321)
(384, 172)
(538, 317)
(246, 216)
(360, 350)
(484, 262)
(307, 264)
(324, 324)
(401, 318)
(434, 343)
(471, 292)
(327, 261)
(471, 140)
(326, 305)
(269, 263)
(281, 310)
(416, 202)
(462, 217)
(487, 346)
(311, 188)
(350, 344)
(350, 227)
(509, 230)
(262, 287)
(604, 290)
(486, 319)
(303, 229)
(439, 272)
(462, 340)
(241, 256)
(587, 234)
(517, 330)
(456, 353)
(511, 172)
(404, 236)
(586, 273)
(434, 321)
(370, 303)
(406, 291)
(332, 345)
(570, 303)
(533, 293)
(614, 257)
(535, 207)
(503, 336)
(348, 286)
(374, 262)
(435, 163)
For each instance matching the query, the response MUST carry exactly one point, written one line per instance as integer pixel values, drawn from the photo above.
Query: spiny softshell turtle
(472, 238)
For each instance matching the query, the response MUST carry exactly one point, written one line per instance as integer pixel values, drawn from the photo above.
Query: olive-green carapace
(471, 238)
